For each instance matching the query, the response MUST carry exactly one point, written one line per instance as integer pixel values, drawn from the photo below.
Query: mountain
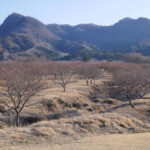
(126, 35)
(16, 23)
(23, 36)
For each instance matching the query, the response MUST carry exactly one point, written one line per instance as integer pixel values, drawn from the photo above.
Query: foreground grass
(138, 141)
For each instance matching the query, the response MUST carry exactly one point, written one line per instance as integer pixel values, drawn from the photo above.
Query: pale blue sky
(102, 12)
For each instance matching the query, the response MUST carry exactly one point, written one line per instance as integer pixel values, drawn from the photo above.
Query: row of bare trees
(21, 81)
(64, 73)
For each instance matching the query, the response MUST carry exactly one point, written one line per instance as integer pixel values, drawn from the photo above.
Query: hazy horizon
(100, 12)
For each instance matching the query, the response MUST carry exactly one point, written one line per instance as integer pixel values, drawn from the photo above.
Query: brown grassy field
(71, 119)
(104, 142)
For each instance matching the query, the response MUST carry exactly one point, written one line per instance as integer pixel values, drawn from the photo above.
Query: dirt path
(105, 142)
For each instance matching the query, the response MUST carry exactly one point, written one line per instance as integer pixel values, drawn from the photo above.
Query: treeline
(84, 55)
(136, 58)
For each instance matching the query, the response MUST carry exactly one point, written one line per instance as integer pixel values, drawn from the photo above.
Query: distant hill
(22, 36)
(126, 35)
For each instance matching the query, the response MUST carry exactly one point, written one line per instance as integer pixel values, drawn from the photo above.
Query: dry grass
(73, 127)
(87, 118)
(103, 142)
(74, 91)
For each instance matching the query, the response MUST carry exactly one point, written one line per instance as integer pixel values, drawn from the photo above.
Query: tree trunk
(94, 80)
(55, 76)
(91, 80)
(17, 119)
(132, 105)
(64, 88)
(87, 82)
(80, 78)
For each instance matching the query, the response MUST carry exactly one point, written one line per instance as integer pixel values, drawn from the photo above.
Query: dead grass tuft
(43, 132)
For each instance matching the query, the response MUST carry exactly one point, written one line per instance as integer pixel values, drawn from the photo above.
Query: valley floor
(138, 141)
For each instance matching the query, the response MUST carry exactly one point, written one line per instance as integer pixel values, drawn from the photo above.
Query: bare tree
(112, 67)
(96, 72)
(130, 83)
(19, 83)
(89, 71)
(63, 74)
(84, 72)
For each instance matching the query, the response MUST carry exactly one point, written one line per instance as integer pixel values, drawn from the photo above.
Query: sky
(73, 12)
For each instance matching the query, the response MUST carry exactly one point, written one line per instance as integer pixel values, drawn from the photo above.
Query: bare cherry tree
(63, 74)
(84, 72)
(96, 72)
(89, 71)
(19, 83)
(130, 83)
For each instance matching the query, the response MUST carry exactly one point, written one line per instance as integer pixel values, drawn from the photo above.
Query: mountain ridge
(26, 36)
